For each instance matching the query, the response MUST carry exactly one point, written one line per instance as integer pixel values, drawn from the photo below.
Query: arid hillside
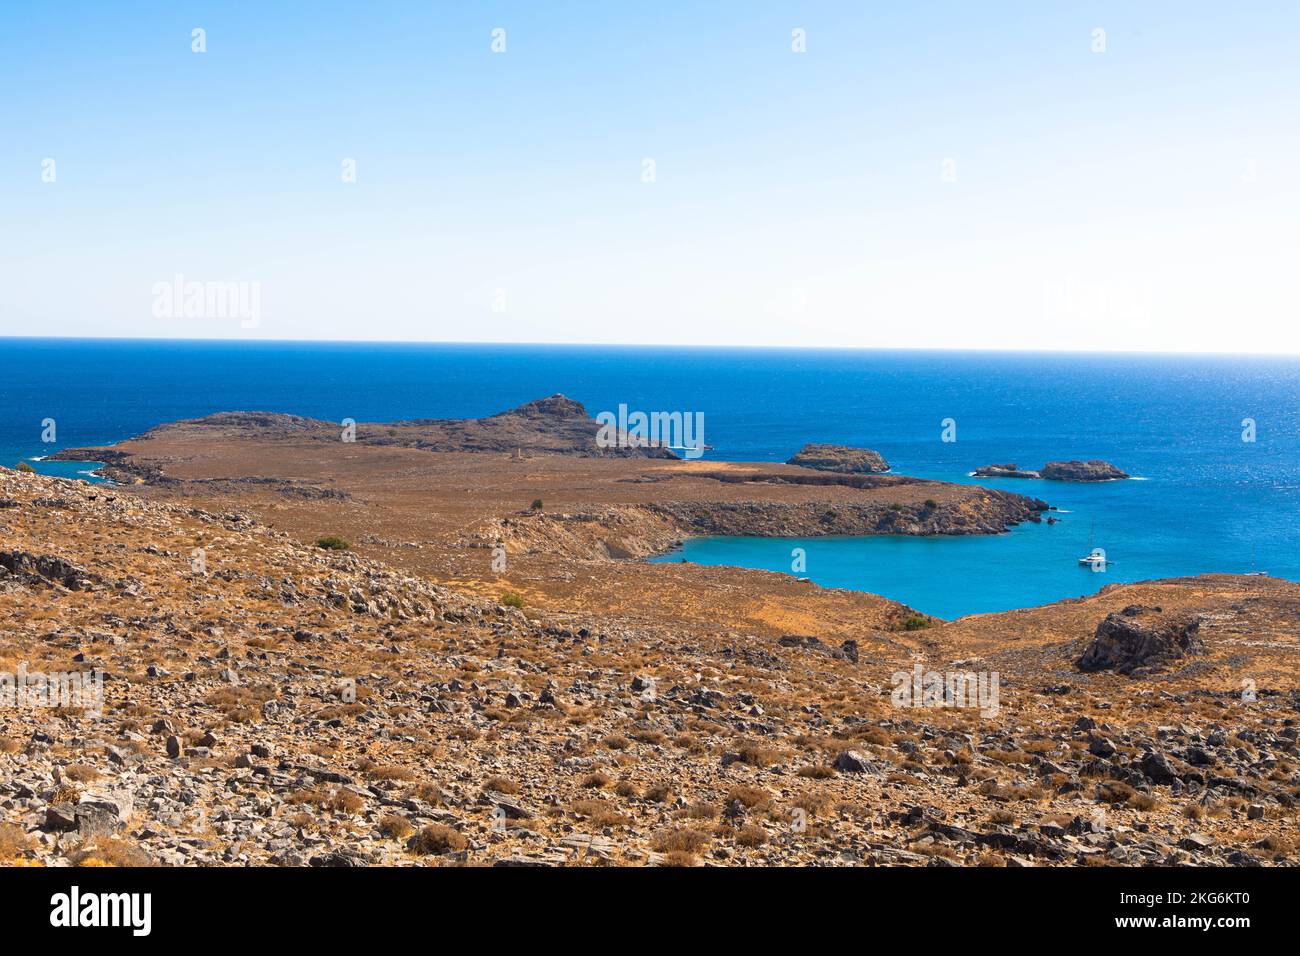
(270, 701)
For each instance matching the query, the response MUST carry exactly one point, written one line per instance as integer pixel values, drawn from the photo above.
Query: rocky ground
(269, 701)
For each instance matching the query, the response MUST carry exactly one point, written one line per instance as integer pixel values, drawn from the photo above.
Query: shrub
(395, 827)
(599, 814)
(345, 801)
(110, 851)
(536, 505)
(13, 841)
(501, 785)
(25, 468)
(660, 792)
(385, 771)
(679, 841)
(915, 623)
(816, 772)
(748, 795)
(437, 838)
(332, 543)
(1114, 791)
(931, 503)
(510, 599)
(758, 754)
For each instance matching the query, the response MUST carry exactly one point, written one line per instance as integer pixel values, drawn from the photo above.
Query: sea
(1213, 442)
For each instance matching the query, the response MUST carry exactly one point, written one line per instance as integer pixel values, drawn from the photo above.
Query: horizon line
(653, 345)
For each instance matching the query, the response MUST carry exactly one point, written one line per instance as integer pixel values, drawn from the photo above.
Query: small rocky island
(841, 458)
(1004, 471)
(1092, 470)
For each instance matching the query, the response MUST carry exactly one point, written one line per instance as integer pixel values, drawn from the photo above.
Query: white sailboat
(1095, 559)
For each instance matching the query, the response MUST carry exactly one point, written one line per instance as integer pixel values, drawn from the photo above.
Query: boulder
(841, 458)
(1141, 638)
(105, 812)
(1157, 768)
(850, 761)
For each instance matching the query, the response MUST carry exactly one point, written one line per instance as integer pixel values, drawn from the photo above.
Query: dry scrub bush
(684, 840)
(437, 838)
(395, 827)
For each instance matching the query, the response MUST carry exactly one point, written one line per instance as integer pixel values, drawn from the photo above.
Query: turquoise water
(944, 576)
(1210, 501)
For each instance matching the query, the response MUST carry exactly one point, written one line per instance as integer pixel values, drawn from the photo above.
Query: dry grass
(1112, 791)
(816, 772)
(660, 792)
(679, 858)
(501, 785)
(81, 773)
(437, 839)
(758, 754)
(384, 771)
(1008, 756)
(110, 851)
(428, 792)
(599, 813)
(697, 811)
(395, 827)
(13, 841)
(749, 796)
(685, 840)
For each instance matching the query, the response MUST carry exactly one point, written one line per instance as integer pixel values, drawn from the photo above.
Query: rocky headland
(638, 502)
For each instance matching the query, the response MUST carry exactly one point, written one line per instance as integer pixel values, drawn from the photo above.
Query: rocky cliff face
(842, 458)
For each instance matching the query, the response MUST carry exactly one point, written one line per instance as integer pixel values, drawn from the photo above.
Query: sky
(1027, 175)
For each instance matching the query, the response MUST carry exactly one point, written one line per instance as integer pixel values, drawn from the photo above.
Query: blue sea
(1206, 501)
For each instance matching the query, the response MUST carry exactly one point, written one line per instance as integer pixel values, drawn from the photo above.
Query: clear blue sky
(1143, 197)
